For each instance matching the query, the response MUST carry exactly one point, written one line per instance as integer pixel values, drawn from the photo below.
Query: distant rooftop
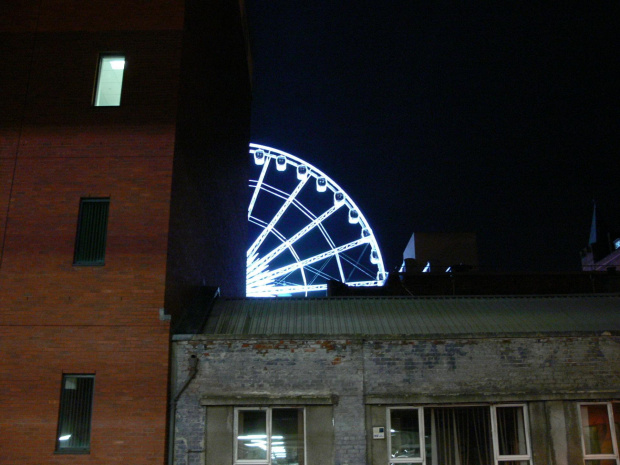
(412, 316)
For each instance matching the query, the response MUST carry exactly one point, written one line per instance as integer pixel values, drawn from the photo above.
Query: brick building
(124, 129)
(378, 380)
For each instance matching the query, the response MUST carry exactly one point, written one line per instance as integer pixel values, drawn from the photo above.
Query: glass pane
(110, 81)
(516, 462)
(459, 435)
(616, 411)
(252, 435)
(287, 436)
(601, 462)
(75, 412)
(595, 429)
(405, 433)
(511, 431)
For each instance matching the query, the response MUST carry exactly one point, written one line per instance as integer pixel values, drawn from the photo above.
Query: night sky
(495, 117)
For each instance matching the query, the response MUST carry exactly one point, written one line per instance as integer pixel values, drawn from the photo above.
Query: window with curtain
(271, 436)
(460, 435)
(600, 430)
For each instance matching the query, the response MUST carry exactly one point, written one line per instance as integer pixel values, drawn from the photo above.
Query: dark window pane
(252, 435)
(459, 435)
(511, 431)
(76, 401)
(92, 231)
(405, 433)
(616, 412)
(287, 436)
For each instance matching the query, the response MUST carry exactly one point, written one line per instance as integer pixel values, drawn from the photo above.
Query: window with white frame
(270, 435)
(474, 435)
(600, 429)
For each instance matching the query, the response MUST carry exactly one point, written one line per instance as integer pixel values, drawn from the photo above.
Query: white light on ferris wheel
(354, 216)
(338, 198)
(302, 172)
(304, 239)
(259, 157)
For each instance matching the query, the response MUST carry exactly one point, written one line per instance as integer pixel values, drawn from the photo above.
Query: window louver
(76, 401)
(92, 230)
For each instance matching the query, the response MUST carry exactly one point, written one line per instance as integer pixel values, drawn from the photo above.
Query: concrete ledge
(462, 398)
(267, 400)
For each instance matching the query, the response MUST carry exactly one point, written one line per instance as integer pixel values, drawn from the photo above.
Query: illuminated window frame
(497, 457)
(109, 83)
(611, 424)
(268, 412)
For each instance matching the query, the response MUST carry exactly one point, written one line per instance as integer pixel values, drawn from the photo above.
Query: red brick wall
(54, 149)
(129, 408)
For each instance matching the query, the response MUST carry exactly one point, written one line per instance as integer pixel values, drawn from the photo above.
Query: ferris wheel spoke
(265, 232)
(308, 261)
(258, 187)
(301, 233)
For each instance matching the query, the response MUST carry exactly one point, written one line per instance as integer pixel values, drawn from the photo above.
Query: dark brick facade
(56, 148)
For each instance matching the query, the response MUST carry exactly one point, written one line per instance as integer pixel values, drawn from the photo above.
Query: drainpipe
(193, 369)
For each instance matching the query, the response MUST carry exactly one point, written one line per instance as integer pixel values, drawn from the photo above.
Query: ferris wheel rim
(257, 266)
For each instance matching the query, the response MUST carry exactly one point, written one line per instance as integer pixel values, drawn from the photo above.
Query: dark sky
(501, 118)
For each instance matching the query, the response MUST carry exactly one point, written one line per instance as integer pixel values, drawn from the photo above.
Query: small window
(600, 427)
(76, 400)
(461, 434)
(109, 81)
(91, 231)
(269, 436)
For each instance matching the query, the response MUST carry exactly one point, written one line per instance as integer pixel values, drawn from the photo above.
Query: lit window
(91, 231)
(479, 434)
(269, 436)
(600, 426)
(76, 400)
(110, 81)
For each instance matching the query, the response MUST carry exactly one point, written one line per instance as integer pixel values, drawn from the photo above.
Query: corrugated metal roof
(415, 315)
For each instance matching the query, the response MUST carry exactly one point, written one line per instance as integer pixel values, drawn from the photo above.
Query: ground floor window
(270, 436)
(600, 430)
(74, 417)
(463, 435)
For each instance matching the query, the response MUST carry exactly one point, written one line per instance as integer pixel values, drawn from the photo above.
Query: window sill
(72, 451)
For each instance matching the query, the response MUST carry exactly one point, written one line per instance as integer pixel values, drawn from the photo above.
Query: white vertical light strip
(110, 81)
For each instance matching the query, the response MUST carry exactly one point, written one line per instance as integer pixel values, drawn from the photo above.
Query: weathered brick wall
(392, 372)
(519, 368)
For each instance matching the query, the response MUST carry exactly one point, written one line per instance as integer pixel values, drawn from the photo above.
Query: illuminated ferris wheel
(306, 230)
